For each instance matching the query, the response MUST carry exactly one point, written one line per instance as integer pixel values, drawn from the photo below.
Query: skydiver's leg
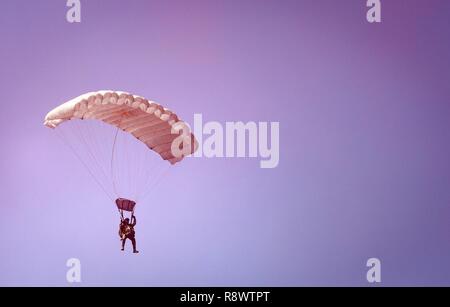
(133, 241)
(123, 243)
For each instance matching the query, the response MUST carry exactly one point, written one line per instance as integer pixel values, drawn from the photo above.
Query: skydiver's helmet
(127, 221)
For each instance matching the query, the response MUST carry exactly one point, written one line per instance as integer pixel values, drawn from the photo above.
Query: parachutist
(137, 117)
(126, 231)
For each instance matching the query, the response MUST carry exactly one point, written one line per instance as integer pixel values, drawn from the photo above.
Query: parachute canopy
(148, 121)
(111, 133)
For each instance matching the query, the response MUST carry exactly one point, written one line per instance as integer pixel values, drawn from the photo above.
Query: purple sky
(364, 117)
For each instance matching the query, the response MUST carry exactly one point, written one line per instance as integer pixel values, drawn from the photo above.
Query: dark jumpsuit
(131, 235)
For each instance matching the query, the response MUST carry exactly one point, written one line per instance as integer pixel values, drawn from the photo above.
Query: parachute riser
(122, 217)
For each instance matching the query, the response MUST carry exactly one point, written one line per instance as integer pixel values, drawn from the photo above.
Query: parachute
(120, 138)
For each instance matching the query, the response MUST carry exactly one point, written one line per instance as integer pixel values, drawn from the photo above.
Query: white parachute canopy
(122, 139)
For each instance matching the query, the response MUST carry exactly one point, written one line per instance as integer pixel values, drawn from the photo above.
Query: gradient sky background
(365, 142)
